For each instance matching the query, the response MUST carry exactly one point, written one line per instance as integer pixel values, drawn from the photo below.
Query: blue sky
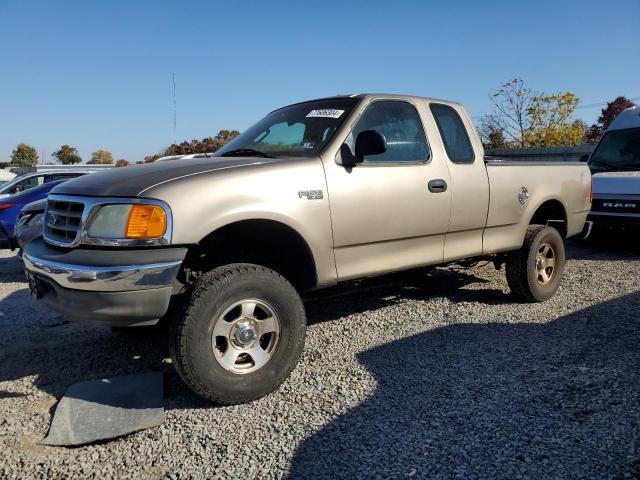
(98, 74)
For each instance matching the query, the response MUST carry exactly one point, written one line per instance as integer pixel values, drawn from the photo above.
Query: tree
(491, 137)
(150, 158)
(122, 163)
(227, 135)
(607, 114)
(511, 105)
(550, 122)
(24, 156)
(101, 157)
(67, 155)
(528, 119)
(206, 145)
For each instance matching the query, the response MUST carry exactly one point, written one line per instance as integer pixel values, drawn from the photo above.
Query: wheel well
(264, 242)
(551, 213)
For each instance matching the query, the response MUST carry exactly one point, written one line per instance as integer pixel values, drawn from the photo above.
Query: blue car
(10, 209)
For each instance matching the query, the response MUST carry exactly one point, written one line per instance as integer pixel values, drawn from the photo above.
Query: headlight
(109, 222)
(126, 223)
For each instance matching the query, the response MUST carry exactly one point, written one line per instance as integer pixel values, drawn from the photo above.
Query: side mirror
(584, 158)
(370, 142)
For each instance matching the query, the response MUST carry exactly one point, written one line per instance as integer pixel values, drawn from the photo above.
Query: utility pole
(173, 78)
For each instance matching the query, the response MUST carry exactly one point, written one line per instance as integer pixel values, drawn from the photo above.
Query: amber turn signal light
(146, 221)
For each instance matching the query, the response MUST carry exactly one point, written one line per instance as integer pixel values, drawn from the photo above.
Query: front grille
(63, 222)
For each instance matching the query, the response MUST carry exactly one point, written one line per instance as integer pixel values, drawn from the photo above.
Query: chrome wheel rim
(545, 264)
(245, 336)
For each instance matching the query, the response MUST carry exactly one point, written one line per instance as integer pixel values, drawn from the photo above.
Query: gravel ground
(435, 377)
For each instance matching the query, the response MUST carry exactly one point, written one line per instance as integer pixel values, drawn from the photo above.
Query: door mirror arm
(368, 143)
(346, 158)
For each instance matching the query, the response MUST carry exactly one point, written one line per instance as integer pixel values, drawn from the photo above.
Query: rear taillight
(6, 206)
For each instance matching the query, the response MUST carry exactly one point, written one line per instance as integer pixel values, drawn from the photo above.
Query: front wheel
(240, 334)
(535, 271)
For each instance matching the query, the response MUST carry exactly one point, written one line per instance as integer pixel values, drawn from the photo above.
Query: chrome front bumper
(114, 287)
(105, 278)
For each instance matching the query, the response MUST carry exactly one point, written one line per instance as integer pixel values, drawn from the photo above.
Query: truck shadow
(57, 353)
(495, 400)
(38, 342)
(381, 292)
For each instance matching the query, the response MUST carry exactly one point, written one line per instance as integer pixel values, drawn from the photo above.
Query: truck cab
(615, 164)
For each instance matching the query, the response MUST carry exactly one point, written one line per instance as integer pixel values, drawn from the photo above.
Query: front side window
(400, 124)
(300, 130)
(618, 150)
(453, 133)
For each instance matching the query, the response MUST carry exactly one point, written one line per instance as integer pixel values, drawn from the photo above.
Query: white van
(615, 164)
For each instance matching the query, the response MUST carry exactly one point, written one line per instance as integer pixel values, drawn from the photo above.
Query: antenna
(173, 78)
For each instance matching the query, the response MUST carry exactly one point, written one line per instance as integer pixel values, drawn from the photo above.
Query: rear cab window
(453, 133)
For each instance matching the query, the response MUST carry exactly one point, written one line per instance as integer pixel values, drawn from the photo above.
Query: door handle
(437, 186)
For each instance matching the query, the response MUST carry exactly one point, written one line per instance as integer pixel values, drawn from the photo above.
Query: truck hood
(616, 183)
(135, 180)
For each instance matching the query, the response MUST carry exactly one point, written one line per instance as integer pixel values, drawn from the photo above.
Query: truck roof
(629, 118)
(390, 96)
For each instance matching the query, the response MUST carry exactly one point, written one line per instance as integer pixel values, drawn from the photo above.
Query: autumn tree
(101, 157)
(24, 156)
(122, 163)
(227, 135)
(529, 119)
(67, 155)
(607, 114)
(206, 145)
(491, 137)
(511, 103)
(550, 123)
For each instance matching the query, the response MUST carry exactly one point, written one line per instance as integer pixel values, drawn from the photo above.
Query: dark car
(11, 206)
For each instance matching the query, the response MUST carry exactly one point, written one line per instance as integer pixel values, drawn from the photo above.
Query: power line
(589, 105)
(602, 104)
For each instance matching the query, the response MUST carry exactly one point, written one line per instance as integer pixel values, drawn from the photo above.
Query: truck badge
(311, 194)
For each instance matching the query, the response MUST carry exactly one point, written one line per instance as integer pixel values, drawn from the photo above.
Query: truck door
(391, 211)
(470, 182)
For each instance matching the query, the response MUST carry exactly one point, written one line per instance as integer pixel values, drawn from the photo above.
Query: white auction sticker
(325, 113)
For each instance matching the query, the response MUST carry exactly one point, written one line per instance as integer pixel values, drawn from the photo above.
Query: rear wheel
(240, 334)
(535, 271)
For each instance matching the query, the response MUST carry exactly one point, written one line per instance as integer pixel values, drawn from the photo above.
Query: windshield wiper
(246, 152)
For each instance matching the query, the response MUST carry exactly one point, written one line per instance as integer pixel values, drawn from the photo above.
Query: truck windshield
(618, 150)
(300, 130)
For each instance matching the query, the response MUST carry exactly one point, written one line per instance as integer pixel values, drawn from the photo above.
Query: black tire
(191, 333)
(522, 267)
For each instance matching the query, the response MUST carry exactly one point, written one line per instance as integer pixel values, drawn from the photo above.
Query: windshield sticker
(309, 145)
(325, 113)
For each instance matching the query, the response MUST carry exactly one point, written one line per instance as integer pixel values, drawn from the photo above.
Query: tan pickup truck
(314, 194)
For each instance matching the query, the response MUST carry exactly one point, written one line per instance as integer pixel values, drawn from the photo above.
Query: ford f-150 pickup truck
(314, 194)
